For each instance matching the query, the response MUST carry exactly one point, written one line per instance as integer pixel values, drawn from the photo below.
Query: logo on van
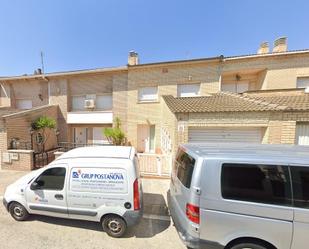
(110, 176)
(76, 174)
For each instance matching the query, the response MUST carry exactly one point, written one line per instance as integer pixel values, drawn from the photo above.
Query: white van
(239, 196)
(91, 183)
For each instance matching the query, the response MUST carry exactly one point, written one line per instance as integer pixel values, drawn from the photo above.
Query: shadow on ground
(150, 225)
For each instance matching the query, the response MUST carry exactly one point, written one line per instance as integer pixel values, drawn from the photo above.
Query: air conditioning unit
(89, 104)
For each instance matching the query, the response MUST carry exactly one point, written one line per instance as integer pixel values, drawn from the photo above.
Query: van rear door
(300, 180)
(181, 184)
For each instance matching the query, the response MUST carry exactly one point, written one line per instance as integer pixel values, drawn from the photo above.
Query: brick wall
(18, 125)
(5, 94)
(35, 90)
(166, 77)
(264, 72)
(24, 162)
(277, 127)
(120, 98)
(59, 96)
(281, 71)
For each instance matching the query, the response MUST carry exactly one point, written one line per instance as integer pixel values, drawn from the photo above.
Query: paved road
(154, 231)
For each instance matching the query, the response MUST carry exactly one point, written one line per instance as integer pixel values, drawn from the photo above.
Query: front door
(49, 197)
(80, 135)
(146, 138)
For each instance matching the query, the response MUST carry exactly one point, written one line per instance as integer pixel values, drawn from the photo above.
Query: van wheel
(18, 211)
(249, 246)
(114, 226)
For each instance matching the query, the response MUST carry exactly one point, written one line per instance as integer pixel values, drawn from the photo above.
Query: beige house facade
(146, 98)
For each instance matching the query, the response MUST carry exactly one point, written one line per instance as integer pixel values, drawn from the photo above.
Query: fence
(43, 158)
(155, 164)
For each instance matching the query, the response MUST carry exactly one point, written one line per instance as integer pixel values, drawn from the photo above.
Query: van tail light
(193, 213)
(136, 195)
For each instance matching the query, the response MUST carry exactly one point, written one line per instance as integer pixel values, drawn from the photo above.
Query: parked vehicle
(92, 183)
(239, 196)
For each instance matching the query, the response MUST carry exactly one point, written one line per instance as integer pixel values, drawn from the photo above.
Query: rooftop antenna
(42, 62)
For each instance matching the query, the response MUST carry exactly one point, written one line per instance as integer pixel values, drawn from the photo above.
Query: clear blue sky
(82, 34)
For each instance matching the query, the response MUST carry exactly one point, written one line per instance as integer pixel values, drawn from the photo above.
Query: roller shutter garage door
(225, 134)
(302, 134)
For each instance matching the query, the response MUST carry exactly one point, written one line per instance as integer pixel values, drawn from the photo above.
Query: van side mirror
(37, 185)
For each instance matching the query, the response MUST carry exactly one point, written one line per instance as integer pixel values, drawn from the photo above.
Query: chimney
(280, 45)
(133, 58)
(264, 48)
(38, 71)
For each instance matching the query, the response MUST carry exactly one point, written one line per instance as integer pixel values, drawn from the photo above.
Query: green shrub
(115, 135)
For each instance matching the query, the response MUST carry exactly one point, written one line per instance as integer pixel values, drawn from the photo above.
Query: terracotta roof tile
(229, 102)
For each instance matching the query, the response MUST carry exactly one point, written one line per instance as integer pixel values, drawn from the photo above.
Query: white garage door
(225, 134)
(302, 134)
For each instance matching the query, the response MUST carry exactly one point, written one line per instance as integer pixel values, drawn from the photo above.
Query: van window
(300, 179)
(52, 179)
(185, 165)
(268, 184)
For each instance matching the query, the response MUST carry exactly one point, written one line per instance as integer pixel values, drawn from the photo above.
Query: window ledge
(148, 102)
(90, 111)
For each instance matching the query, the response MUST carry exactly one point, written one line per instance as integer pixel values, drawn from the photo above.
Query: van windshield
(184, 165)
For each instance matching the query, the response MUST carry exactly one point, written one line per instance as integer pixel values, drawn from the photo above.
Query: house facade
(255, 94)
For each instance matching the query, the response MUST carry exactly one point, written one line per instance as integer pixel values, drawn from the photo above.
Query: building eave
(64, 74)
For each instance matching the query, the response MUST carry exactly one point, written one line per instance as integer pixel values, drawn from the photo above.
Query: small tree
(44, 124)
(115, 135)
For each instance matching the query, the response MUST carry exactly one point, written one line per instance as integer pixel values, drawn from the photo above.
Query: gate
(43, 158)
(154, 164)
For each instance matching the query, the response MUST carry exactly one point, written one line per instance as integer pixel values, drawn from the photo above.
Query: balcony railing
(20, 145)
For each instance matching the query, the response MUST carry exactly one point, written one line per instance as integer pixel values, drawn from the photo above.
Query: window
(238, 87)
(98, 135)
(256, 183)
(78, 103)
(302, 133)
(184, 166)
(24, 104)
(300, 179)
(148, 94)
(302, 82)
(190, 90)
(52, 179)
(104, 102)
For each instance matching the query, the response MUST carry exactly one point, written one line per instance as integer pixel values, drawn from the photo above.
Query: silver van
(92, 183)
(239, 196)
